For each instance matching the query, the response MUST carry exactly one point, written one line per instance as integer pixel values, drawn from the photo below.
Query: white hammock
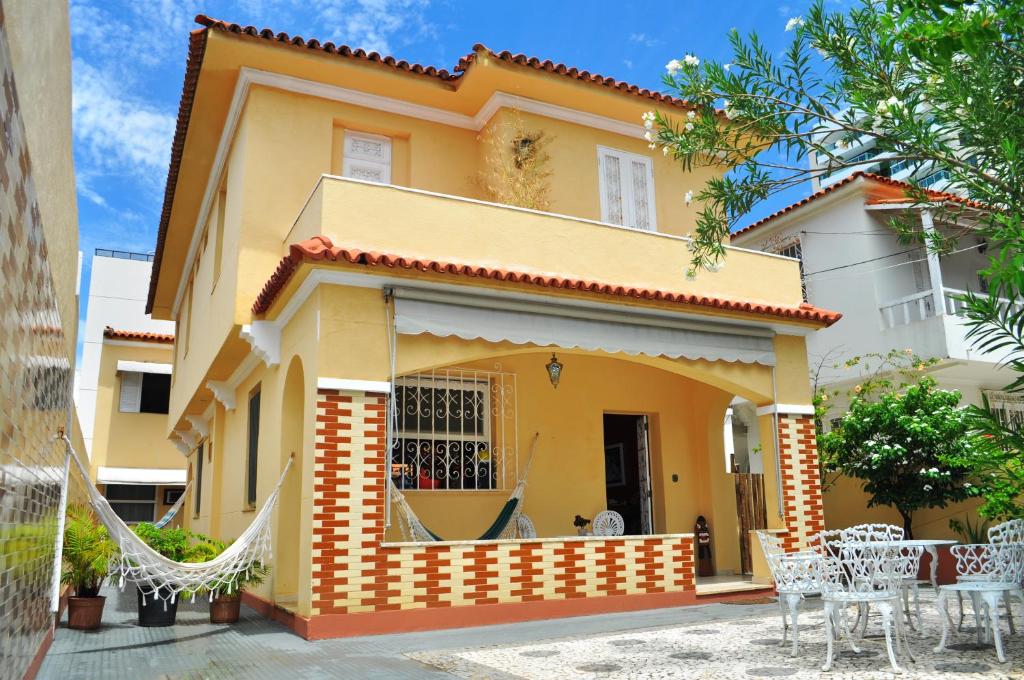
(173, 511)
(161, 578)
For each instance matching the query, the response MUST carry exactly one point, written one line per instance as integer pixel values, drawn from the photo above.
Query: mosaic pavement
(741, 648)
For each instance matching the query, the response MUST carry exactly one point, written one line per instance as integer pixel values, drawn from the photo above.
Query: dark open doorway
(627, 471)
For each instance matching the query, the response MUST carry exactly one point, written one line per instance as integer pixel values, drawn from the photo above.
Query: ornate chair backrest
(875, 532)
(608, 523)
(868, 568)
(771, 544)
(995, 562)
(824, 542)
(1011, 531)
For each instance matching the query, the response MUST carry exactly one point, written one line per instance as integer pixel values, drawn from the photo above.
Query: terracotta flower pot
(225, 608)
(85, 613)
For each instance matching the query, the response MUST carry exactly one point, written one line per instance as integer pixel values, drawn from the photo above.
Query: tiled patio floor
(707, 641)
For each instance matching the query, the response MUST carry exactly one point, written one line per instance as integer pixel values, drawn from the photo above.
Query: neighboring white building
(117, 298)
(868, 158)
(891, 295)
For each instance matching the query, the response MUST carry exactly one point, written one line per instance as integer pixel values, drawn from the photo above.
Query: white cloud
(644, 39)
(372, 24)
(628, 63)
(117, 132)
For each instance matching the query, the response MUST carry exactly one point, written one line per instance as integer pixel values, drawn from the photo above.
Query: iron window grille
(455, 430)
(794, 249)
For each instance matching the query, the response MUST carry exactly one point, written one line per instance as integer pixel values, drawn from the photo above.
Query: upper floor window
(367, 157)
(627, 189)
(145, 392)
(252, 448)
(795, 250)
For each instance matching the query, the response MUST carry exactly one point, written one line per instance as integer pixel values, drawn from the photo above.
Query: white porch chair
(608, 523)
(796, 575)
(911, 583)
(865, 573)
(1011, 531)
(988, 573)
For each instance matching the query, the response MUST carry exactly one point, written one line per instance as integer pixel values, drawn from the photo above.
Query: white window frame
(626, 160)
(130, 396)
(353, 160)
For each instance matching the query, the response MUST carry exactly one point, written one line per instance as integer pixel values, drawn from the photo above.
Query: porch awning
(567, 326)
(118, 475)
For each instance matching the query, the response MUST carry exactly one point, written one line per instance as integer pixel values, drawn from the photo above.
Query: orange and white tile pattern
(803, 512)
(355, 572)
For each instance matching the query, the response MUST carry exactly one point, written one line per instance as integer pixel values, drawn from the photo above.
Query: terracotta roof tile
(138, 336)
(321, 249)
(197, 47)
(887, 195)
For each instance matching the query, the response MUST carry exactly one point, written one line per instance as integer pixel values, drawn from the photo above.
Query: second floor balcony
(418, 224)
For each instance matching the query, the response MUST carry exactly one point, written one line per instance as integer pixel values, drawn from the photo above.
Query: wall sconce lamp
(554, 370)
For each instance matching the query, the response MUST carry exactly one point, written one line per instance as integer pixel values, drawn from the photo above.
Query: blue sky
(129, 57)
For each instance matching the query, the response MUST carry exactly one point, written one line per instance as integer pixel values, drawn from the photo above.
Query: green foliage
(933, 83)
(180, 545)
(971, 533)
(911, 449)
(88, 552)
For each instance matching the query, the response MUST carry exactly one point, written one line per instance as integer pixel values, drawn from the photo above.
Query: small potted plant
(87, 554)
(227, 601)
(157, 605)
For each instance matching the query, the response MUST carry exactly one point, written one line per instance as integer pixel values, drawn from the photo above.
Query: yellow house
(141, 473)
(443, 370)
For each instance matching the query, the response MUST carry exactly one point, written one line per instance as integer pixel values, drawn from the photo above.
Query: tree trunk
(908, 524)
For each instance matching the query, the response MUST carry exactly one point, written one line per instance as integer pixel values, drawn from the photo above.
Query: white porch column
(934, 271)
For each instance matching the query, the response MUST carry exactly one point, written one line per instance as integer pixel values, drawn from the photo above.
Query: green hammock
(414, 529)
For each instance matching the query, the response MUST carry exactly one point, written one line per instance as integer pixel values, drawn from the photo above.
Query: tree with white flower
(912, 449)
(930, 83)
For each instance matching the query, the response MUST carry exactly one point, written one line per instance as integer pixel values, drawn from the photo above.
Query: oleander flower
(691, 60)
(688, 127)
(690, 115)
(794, 23)
(673, 67)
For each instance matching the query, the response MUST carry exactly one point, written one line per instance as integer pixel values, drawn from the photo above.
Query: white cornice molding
(265, 339)
(247, 77)
(180, 445)
(346, 384)
(200, 425)
(789, 409)
(224, 390)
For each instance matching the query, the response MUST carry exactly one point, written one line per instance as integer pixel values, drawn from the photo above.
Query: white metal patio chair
(911, 582)
(866, 573)
(796, 575)
(608, 523)
(988, 573)
(1011, 531)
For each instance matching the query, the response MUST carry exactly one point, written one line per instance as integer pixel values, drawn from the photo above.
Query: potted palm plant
(227, 601)
(156, 605)
(87, 554)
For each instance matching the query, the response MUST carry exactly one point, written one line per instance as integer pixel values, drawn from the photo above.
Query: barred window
(454, 430)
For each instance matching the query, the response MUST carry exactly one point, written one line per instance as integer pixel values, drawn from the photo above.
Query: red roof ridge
(321, 249)
(859, 174)
(141, 336)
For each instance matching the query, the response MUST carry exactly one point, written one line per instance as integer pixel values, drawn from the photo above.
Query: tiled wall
(801, 484)
(35, 381)
(353, 573)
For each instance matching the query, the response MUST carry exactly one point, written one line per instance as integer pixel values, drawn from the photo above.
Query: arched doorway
(289, 507)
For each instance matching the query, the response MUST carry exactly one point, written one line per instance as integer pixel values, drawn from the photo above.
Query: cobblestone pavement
(256, 648)
(745, 647)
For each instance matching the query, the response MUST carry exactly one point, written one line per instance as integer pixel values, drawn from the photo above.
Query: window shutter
(131, 391)
(611, 189)
(367, 157)
(641, 195)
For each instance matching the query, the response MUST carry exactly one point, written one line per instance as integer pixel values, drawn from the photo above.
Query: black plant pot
(153, 613)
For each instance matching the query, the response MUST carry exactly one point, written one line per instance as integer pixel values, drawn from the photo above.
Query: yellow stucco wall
(129, 439)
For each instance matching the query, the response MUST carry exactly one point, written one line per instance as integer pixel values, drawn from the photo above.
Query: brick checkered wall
(353, 572)
(803, 512)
